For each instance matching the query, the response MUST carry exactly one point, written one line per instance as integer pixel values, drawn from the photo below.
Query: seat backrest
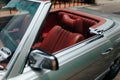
(58, 38)
(74, 25)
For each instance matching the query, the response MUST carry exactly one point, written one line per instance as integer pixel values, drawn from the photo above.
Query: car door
(84, 62)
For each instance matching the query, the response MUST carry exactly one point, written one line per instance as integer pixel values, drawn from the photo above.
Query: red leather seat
(74, 25)
(58, 38)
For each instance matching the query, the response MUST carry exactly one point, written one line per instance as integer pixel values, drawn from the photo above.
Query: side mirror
(41, 60)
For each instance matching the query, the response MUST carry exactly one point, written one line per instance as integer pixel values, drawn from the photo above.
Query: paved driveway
(107, 6)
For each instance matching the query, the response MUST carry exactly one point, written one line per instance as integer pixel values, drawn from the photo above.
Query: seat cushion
(58, 38)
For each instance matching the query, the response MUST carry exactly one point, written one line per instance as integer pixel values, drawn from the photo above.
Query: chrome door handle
(107, 51)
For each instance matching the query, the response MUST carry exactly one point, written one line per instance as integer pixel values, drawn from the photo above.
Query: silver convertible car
(39, 43)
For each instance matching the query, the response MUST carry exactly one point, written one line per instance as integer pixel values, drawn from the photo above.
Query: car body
(31, 34)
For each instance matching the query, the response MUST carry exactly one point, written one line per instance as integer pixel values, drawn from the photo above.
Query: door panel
(85, 63)
(78, 63)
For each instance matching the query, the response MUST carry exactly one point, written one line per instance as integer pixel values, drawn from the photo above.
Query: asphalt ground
(106, 6)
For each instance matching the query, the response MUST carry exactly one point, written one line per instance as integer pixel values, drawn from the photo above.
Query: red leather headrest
(74, 25)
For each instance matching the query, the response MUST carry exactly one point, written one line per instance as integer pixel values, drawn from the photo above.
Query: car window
(14, 21)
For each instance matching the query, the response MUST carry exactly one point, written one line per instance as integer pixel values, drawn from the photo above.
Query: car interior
(63, 28)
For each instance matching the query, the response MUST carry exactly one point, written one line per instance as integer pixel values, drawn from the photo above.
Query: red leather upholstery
(74, 25)
(87, 22)
(58, 38)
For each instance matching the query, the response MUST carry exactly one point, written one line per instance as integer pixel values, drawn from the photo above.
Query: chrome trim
(107, 25)
(61, 54)
(104, 27)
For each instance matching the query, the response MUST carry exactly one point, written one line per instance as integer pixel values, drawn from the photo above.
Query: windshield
(15, 18)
